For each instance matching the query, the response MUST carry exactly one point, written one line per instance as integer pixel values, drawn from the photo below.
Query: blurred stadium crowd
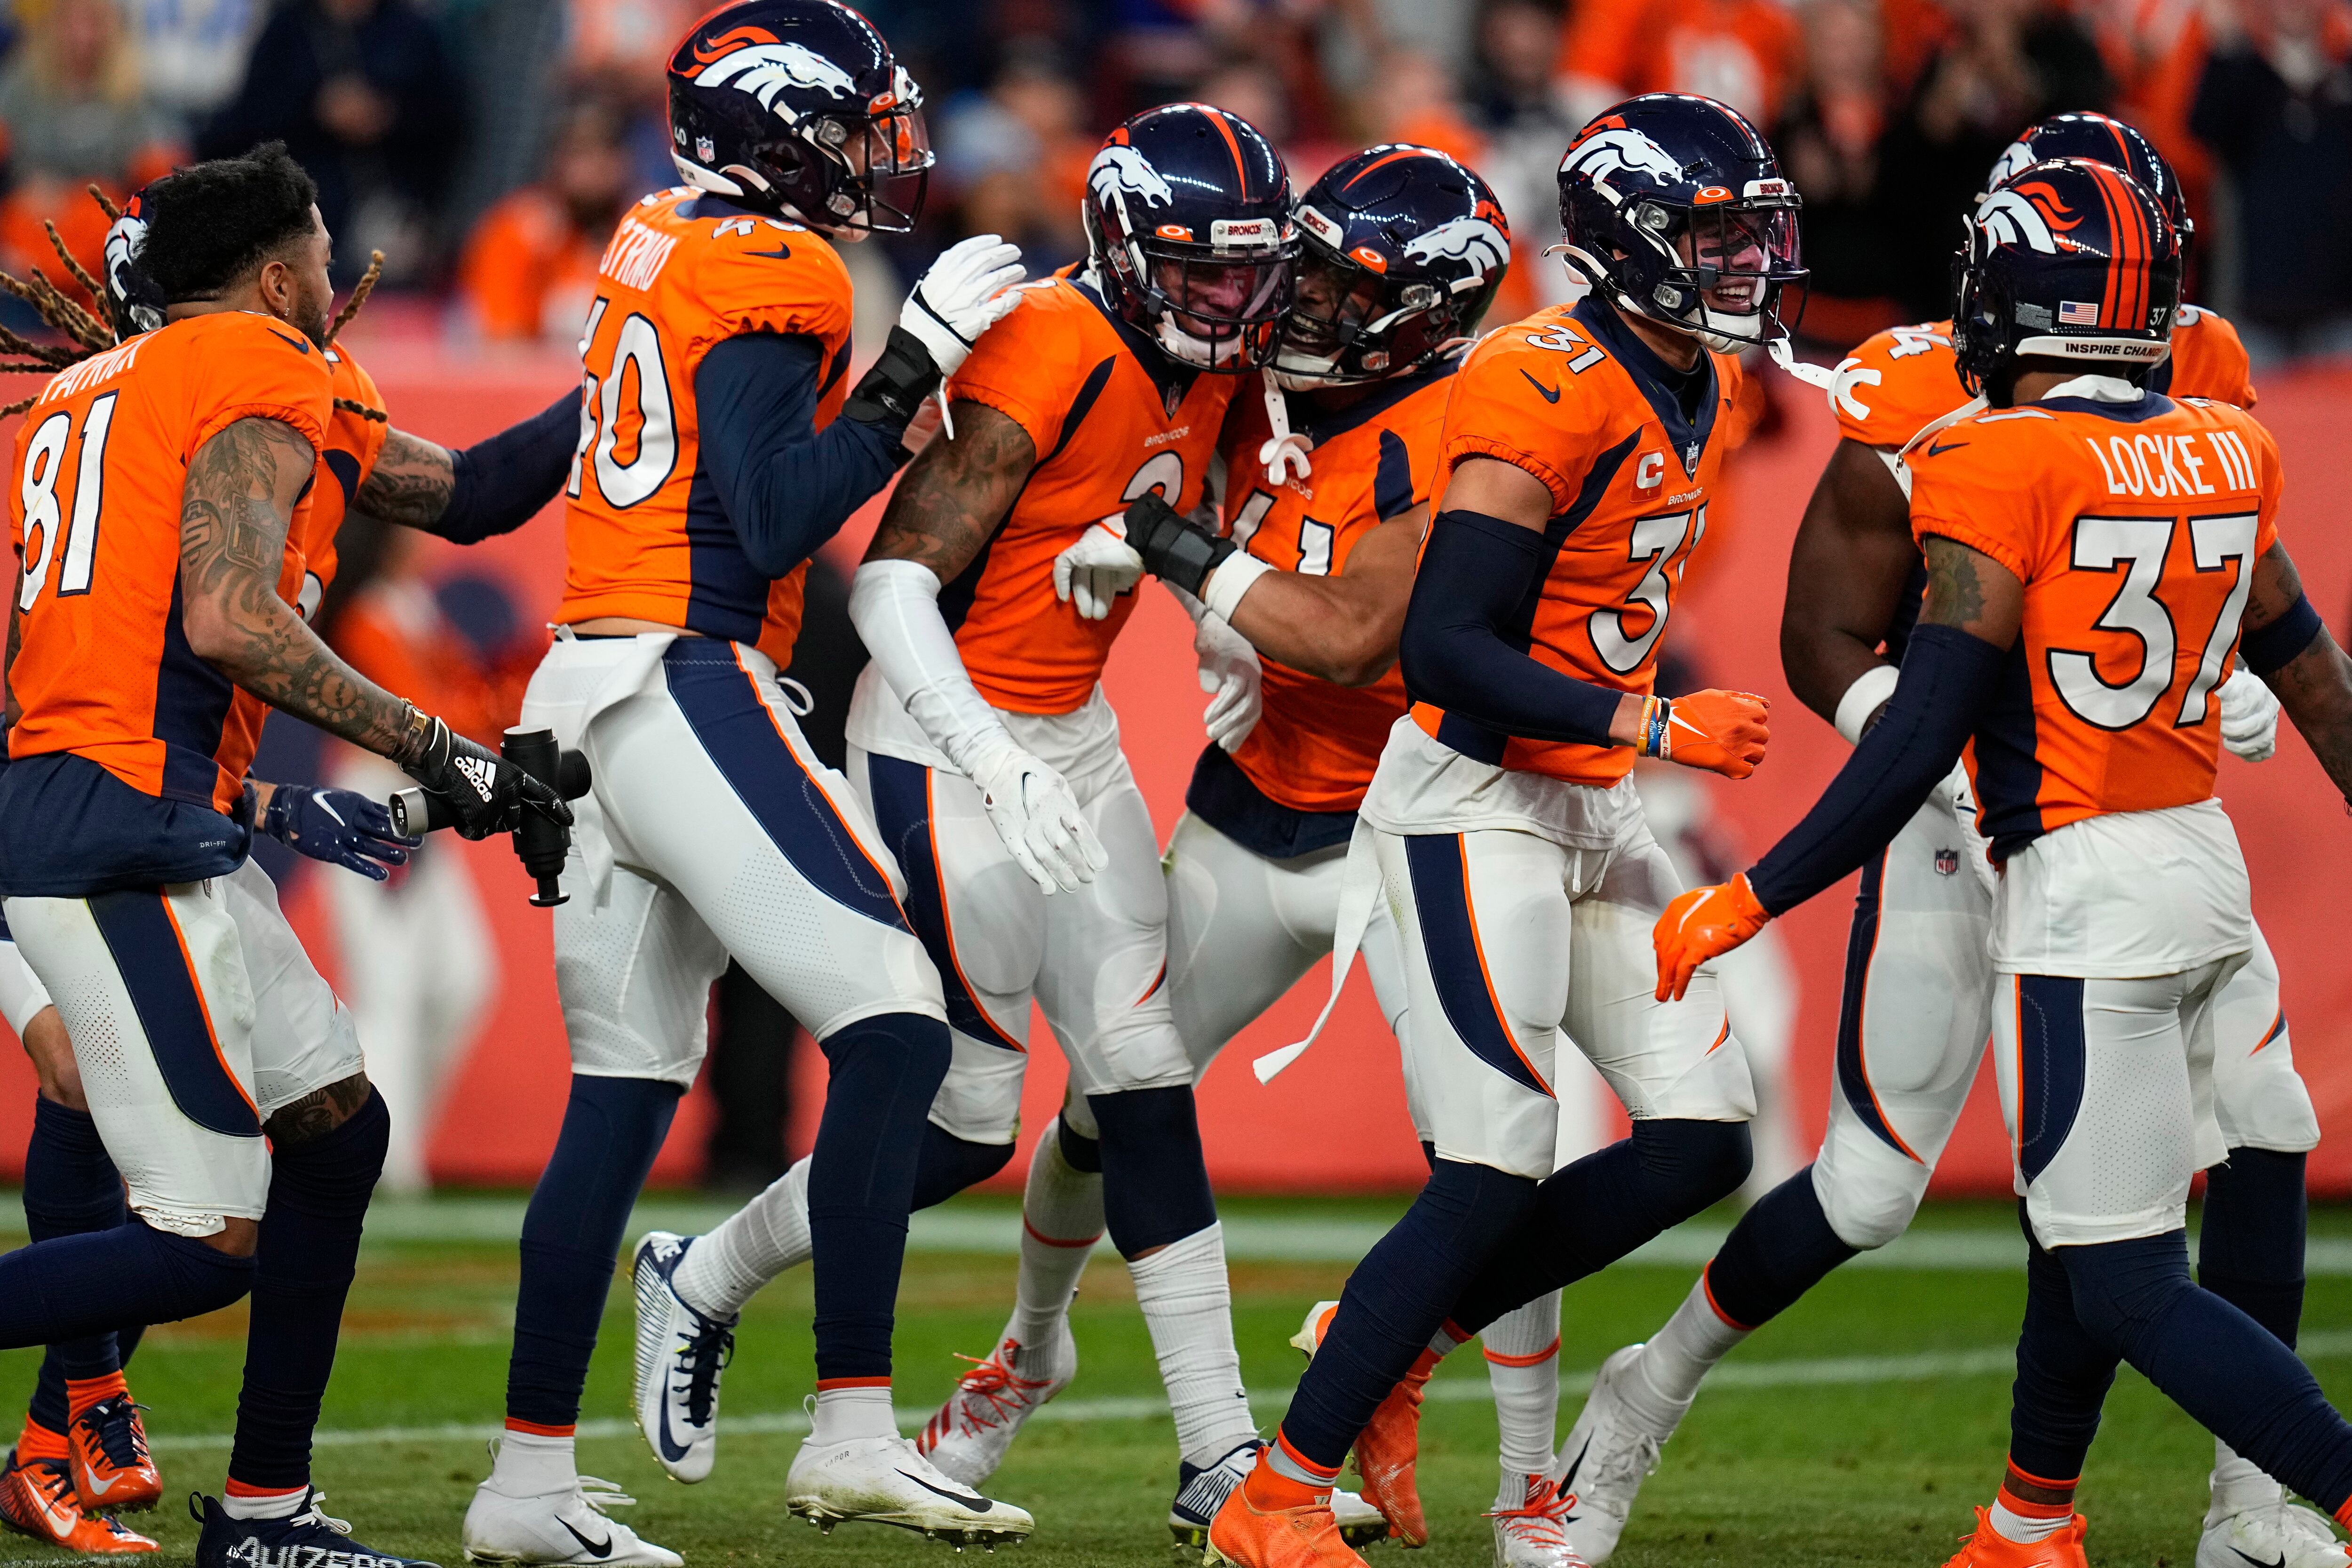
(484, 146)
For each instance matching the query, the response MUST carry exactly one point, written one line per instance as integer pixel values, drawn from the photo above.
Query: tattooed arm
(490, 488)
(955, 493)
(410, 483)
(2285, 642)
(1969, 590)
(234, 510)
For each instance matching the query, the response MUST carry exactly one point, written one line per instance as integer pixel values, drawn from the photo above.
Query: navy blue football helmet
(2066, 260)
(134, 301)
(1673, 208)
(1401, 251)
(2103, 139)
(1188, 219)
(798, 108)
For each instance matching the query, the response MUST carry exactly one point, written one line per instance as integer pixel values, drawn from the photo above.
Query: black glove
(337, 825)
(485, 792)
(1173, 550)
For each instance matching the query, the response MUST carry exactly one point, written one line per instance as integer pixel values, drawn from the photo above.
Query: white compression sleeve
(895, 606)
(22, 994)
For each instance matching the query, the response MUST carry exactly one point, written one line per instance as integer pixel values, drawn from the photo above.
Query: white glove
(1229, 673)
(1097, 569)
(1039, 820)
(2249, 716)
(968, 291)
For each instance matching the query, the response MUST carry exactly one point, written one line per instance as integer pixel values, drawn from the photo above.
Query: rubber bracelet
(1234, 577)
(1870, 689)
(1656, 714)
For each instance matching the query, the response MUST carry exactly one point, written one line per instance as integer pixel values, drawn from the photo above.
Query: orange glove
(1702, 924)
(1722, 731)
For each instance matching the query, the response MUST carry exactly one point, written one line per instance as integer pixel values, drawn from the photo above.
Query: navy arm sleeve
(1947, 678)
(496, 486)
(1477, 578)
(786, 485)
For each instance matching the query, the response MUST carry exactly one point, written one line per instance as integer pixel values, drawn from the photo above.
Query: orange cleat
(1248, 1532)
(111, 1467)
(1387, 1450)
(37, 1499)
(1989, 1548)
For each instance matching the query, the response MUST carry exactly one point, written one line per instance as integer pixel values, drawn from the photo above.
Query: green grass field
(1859, 1428)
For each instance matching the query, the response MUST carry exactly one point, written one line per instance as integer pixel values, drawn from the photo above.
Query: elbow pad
(1173, 550)
(889, 393)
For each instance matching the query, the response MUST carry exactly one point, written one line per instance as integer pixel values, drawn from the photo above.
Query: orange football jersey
(1317, 743)
(1630, 479)
(104, 670)
(643, 534)
(2135, 528)
(1900, 380)
(1111, 419)
(353, 443)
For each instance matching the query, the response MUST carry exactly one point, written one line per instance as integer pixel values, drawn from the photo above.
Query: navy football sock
(2233, 1377)
(2250, 1251)
(1080, 1151)
(1155, 1178)
(70, 1187)
(949, 1164)
(71, 1285)
(319, 1191)
(1781, 1249)
(2062, 1374)
(613, 1128)
(1592, 1213)
(861, 1183)
(1397, 1300)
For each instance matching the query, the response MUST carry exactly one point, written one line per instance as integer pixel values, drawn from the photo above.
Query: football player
(720, 443)
(1579, 453)
(2097, 555)
(981, 739)
(1919, 998)
(156, 621)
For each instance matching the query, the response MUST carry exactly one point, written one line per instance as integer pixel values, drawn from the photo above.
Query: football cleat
(308, 1535)
(1989, 1548)
(567, 1527)
(969, 1436)
(1247, 1536)
(1201, 1490)
(680, 1355)
(1532, 1532)
(111, 1467)
(37, 1499)
(883, 1480)
(1609, 1452)
(2280, 1535)
(1388, 1447)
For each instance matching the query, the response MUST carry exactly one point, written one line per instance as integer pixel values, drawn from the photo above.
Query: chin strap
(1285, 448)
(1810, 373)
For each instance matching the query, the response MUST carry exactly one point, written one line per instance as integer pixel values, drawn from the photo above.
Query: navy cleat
(308, 1538)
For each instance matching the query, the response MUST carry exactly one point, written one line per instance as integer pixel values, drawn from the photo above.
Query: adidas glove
(340, 827)
(485, 792)
(1723, 732)
(1702, 924)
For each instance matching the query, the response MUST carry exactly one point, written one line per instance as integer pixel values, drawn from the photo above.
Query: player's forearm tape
(1465, 632)
(496, 486)
(1871, 688)
(895, 606)
(1233, 578)
(2282, 642)
(22, 994)
(895, 386)
(785, 486)
(1947, 678)
(1173, 550)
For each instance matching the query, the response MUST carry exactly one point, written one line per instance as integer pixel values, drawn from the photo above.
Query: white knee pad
(1867, 1191)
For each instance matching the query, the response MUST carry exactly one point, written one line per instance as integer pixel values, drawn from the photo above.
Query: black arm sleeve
(1476, 578)
(1947, 678)
(786, 485)
(496, 486)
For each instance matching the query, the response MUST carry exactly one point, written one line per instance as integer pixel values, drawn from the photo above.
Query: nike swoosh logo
(593, 1548)
(779, 254)
(1550, 394)
(977, 1504)
(1936, 450)
(90, 1483)
(1568, 1477)
(670, 1449)
(2278, 1561)
(304, 344)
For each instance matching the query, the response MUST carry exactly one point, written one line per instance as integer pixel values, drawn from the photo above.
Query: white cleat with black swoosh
(883, 1480)
(566, 1527)
(2279, 1534)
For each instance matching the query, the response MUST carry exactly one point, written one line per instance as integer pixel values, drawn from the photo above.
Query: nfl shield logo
(1947, 862)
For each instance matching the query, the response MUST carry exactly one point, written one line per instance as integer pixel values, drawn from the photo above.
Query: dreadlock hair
(85, 332)
(210, 225)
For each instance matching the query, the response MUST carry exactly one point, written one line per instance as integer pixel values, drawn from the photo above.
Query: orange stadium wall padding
(1336, 1121)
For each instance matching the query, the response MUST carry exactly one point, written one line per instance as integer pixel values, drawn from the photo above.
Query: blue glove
(337, 825)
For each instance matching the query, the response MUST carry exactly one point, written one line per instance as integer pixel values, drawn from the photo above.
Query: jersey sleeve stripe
(1393, 480)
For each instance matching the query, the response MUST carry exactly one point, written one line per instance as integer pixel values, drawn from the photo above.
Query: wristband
(1870, 689)
(1657, 715)
(2282, 642)
(1234, 576)
(889, 394)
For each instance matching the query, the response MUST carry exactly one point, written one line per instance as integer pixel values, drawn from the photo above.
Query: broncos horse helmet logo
(1119, 171)
(1469, 239)
(1612, 151)
(766, 70)
(2030, 214)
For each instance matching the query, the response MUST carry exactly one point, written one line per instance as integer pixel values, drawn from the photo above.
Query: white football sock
(2239, 1483)
(2026, 1530)
(843, 1413)
(1523, 1364)
(263, 1505)
(1681, 1355)
(1061, 1220)
(759, 1241)
(1188, 1306)
(532, 1465)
